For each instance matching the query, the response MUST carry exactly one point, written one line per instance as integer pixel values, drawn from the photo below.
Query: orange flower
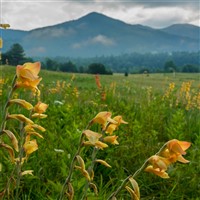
(38, 115)
(113, 127)
(27, 75)
(158, 166)
(159, 162)
(93, 138)
(135, 190)
(119, 120)
(21, 102)
(30, 146)
(102, 118)
(28, 84)
(21, 118)
(157, 171)
(40, 107)
(173, 157)
(111, 139)
(97, 79)
(28, 71)
(178, 147)
(175, 149)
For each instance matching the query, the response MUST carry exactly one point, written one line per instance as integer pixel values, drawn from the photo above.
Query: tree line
(129, 63)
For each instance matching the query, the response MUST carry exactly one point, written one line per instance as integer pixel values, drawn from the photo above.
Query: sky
(28, 15)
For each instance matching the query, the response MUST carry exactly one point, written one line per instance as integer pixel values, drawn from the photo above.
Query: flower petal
(13, 139)
(21, 102)
(21, 118)
(157, 171)
(103, 162)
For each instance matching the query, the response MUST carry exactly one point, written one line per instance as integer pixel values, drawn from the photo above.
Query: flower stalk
(72, 166)
(157, 164)
(19, 162)
(125, 181)
(5, 110)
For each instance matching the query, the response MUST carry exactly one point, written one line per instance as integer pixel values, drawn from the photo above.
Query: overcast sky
(27, 15)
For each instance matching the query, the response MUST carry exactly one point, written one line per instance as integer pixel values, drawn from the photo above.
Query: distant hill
(96, 34)
(185, 30)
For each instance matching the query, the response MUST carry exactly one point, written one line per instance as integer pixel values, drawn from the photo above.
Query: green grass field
(155, 111)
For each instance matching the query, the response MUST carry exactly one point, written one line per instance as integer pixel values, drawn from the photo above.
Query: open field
(157, 107)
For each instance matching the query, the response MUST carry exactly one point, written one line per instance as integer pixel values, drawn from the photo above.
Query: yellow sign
(5, 26)
(1, 43)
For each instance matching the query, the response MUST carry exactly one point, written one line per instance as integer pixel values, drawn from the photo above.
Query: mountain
(96, 34)
(185, 30)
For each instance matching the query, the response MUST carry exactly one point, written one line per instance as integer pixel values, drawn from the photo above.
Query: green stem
(161, 149)
(90, 168)
(5, 110)
(68, 179)
(114, 194)
(19, 163)
(6, 190)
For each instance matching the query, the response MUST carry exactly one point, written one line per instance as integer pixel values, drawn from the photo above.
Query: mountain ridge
(96, 34)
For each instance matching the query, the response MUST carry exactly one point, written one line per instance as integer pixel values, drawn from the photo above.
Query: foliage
(15, 55)
(97, 68)
(170, 66)
(157, 107)
(130, 63)
(190, 68)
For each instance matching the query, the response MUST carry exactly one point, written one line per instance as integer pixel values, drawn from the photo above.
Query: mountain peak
(94, 15)
(97, 34)
(186, 30)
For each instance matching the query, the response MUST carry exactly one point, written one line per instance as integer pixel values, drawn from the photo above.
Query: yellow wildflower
(40, 107)
(175, 149)
(27, 75)
(103, 162)
(111, 139)
(102, 118)
(21, 118)
(21, 102)
(135, 186)
(93, 138)
(113, 127)
(30, 146)
(38, 115)
(158, 166)
(157, 171)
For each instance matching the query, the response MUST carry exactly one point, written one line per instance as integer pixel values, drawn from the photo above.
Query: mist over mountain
(96, 34)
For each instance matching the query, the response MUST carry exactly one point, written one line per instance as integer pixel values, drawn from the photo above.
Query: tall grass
(153, 118)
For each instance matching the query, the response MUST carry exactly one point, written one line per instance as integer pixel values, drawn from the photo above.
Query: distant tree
(51, 65)
(81, 69)
(97, 68)
(15, 55)
(169, 66)
(190, 69)
(68, 67)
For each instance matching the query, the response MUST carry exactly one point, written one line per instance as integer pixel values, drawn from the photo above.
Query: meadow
(157, 107)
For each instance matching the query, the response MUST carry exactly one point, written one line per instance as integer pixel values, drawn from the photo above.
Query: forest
(125, 63)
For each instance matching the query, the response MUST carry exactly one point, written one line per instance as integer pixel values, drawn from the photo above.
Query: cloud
(102, 40)
(36, 50)
(29, 14)
(99, 39)
(52, 32)
(159, 17)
